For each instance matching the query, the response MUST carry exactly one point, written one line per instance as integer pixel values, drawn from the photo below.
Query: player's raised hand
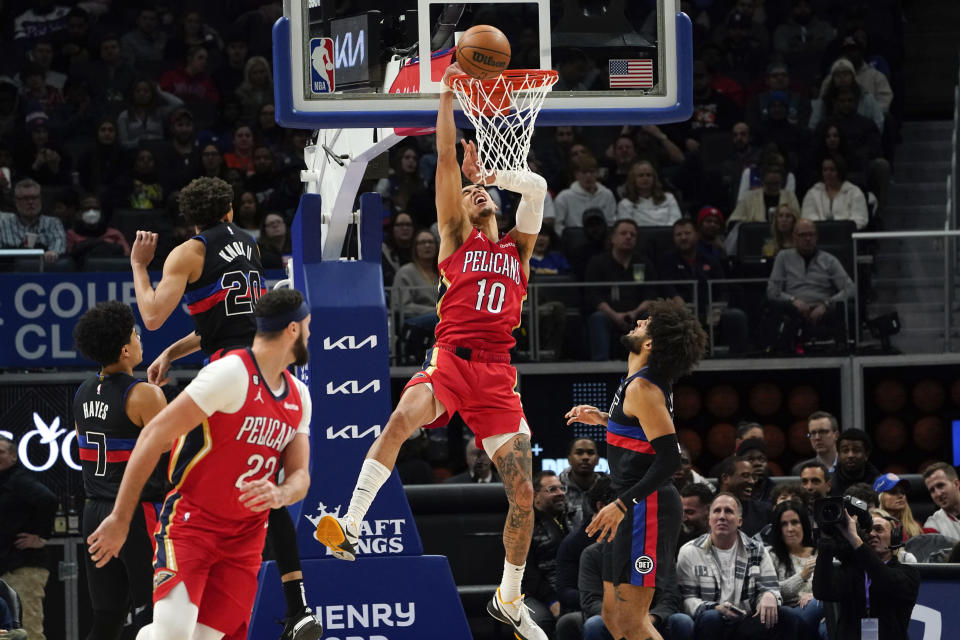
(586, 414)
(453, 70)
(261, 495)
(157, 371)
(471, 162)
(107, 540)
(144, 248)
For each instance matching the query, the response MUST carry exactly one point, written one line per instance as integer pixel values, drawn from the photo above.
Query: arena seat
(655, 241)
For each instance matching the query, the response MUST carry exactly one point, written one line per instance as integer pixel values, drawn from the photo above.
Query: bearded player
(253, 415)
(643, 523)
(483, 282)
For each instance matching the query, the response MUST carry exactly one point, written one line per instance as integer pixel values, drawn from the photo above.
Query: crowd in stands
(106, 114)
(746, 543)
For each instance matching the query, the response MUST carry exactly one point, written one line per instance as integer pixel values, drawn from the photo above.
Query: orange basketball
(928, 433)
(686, 402)
(928, 395)
(802, 401)
(890, 435)
(890, 396)
(765, 399)
(692, 441)
(797, 437)
(774, 469)
(955, 392)
(723, 401)
(720, 439)
(776, 441)
(483, 51)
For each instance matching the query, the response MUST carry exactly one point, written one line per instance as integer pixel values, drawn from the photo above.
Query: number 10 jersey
(482, 289)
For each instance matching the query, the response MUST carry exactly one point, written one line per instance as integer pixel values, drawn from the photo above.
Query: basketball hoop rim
(511, 77)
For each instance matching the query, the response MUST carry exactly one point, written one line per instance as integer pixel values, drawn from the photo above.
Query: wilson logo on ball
(490, 61)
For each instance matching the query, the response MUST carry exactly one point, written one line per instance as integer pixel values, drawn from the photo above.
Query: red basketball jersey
(482, 289)
(209, 464)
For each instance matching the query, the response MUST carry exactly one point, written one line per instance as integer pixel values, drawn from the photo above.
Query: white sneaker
(340, 536)
(517, 615)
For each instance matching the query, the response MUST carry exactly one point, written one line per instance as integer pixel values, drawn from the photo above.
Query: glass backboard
(357, 63)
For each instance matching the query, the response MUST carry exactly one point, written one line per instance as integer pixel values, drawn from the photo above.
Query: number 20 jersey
(222, 299)
(482, 289)
(209, 465)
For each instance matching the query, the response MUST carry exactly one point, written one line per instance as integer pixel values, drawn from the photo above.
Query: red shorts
(484, 392)
(216, 561)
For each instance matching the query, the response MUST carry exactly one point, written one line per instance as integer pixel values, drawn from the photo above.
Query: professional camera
(828, 513)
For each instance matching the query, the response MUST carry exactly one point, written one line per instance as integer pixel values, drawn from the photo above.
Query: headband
(280, 322)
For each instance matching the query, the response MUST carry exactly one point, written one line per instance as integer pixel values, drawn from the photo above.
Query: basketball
(928, 433)
(483, 51)
(928, 395)
(797, 437)
(765, 399)
(802, 401)
(720, 439)
(775, 440)
(890, 435)
(686, 402)
(723, 401)
(890, 396)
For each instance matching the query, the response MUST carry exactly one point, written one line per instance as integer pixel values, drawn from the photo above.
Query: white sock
(372, 476)
(510, 583)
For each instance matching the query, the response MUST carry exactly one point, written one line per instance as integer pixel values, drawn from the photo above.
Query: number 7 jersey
(482, 289)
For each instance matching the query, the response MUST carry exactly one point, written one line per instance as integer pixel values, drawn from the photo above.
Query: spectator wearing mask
(144, 46)
(687, 262)
(794, 557)
(893, 499)
(754, 451)
(815, 480)
(834, 198)
(615, 309)
(737, 480)
(710, 232)
(583, 194)
(274, 241)
(191, 82)
(578, 479)
(91, 235)
(944, 487)
(480, 469)
(549, 529)
(645, 201)
(696, 498)
(256, 88)
(807, 286)
(28, 508)
(28, 229)
(142, 121)
(728, 583)
(869, 582)
(853, 461)
(823, 429)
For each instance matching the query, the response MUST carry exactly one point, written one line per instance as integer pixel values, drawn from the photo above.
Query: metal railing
(24, 253)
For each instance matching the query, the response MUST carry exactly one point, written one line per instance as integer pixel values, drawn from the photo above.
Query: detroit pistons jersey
(106, 436)
(210, 464)
(629, 453)
(221, 301)
(482, 289)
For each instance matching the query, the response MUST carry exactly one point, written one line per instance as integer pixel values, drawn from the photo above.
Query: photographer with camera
(874, 591)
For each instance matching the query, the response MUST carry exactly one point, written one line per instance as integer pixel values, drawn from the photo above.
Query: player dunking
(110, 409)
(214, 520)
(218, 274)
(483, 285)
(644, 521)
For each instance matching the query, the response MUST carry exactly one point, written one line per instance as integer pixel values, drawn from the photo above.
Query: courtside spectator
(754, 451)
(91, 235)
(815, 481)
(794, 557)
(549, 530)
(686, 474)
(28, 229)
(696, 498)
(944, 487)
(645, 202)
(480, 469)
(736, 479)
(892, 491)
(578, 480)
(823, 429)
(583, 194)
(834, 197)
(853, 462)
(710, 232)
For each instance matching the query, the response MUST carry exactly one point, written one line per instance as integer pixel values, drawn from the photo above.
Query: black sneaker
(303, 626)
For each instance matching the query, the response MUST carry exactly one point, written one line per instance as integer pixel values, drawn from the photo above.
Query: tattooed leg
(514, 463)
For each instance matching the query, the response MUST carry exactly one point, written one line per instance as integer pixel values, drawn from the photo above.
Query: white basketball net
(503, 111)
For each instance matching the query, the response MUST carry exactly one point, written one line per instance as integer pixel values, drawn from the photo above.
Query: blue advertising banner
(39, 310)
(935, 616)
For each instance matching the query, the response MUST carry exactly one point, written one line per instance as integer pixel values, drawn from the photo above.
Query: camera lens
(830, 513)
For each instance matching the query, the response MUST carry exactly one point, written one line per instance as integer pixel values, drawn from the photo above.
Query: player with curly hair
(110, 408)
(219, 275)
(643, 523)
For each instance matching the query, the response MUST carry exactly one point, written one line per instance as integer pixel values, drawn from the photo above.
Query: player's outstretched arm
(157, 371)
(178, 418)
(156, 305)
(587, 414)
(450, 218)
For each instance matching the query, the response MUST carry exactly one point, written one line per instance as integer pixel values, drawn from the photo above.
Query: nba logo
(321, 65)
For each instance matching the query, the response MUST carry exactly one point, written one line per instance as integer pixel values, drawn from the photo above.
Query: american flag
(631, 74)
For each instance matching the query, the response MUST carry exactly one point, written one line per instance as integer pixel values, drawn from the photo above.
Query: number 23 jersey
(241, 441)
(482, 289)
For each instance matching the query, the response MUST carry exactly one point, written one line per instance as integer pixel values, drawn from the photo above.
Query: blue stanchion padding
(401, 598)
(392, 589)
